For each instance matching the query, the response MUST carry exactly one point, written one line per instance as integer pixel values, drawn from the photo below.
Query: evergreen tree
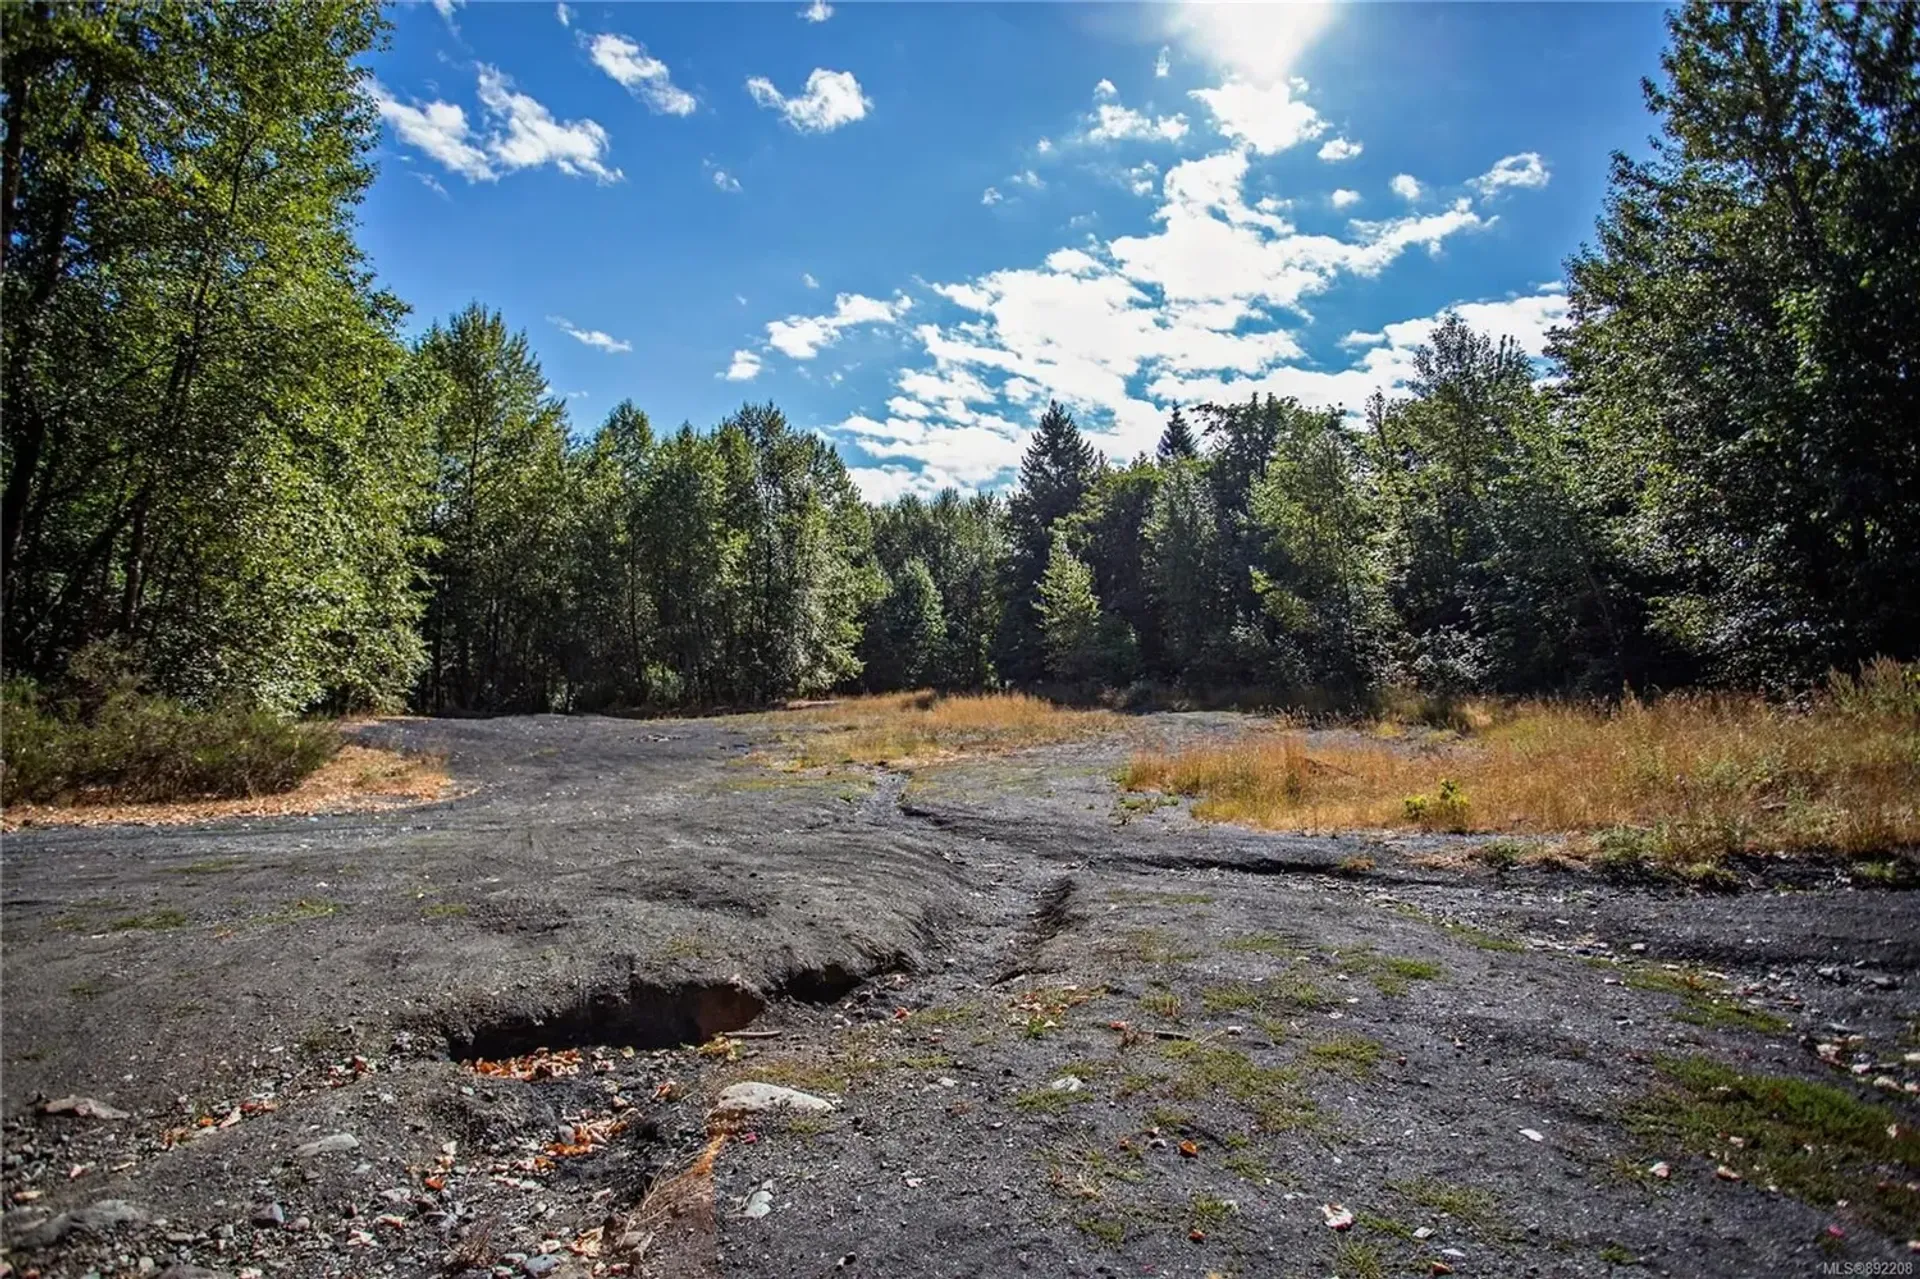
(1057, 470)
(1177, 442)
(1069, 616)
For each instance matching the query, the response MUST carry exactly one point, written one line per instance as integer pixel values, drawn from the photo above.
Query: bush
(119, 744)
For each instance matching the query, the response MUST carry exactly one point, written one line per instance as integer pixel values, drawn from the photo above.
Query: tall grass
(125, 746)
(1690, 777)
(906, 728)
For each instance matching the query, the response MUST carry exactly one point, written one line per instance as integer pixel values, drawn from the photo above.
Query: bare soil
(1067, 1031)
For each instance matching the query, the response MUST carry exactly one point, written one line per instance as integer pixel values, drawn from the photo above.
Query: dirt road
(1064, 1031)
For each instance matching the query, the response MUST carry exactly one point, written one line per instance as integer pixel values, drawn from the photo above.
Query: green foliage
(1740, 362)
(214, 445)
(118, 743)
(1083, 645)
(1816, 1142)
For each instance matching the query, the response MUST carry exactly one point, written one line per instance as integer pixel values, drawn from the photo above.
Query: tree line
(225, 462)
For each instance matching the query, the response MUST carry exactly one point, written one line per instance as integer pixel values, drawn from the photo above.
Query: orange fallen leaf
(1190, 1149)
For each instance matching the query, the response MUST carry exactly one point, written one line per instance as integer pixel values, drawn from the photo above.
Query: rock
(543, 1264)
(94, 1219)
(760, 1202)
(1338, 1216)
(757, 1098)
(180, 1270)
(327, 1145)
(82, 1108)
(1532, 1134)
(270, 1215)
(1068, 1083)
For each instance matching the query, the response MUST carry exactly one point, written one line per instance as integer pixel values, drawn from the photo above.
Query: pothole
(638, 1015)
(641, 1014)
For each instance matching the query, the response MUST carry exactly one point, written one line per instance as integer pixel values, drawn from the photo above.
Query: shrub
(119, 744)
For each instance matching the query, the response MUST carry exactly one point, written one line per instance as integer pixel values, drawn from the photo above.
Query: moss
(1106, 1230)
(1816, 1142)
(1471, 1206)
(1227, 999)
(1209, 1212)
(1265, 944)
(1161, 1002)
(1705, 1000)
(1271, 1093)
(1051, 1101)
(1481, 938)
(1247, 1167)
(158, 919)
(1350, 1055)
(1358, 1259)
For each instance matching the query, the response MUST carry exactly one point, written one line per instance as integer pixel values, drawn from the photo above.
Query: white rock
(756, 1098)
(327, 1145)
(1068, 1083)
(1532, 1134)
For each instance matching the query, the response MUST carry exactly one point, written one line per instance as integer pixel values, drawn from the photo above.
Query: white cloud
(1406, 186)
(522, 135)
(801, 337)
(445, 8)
(1163, 65)
(1267, 118)
(1112, 122)
(1044, 146)
(831, 99)
(726, 181)
(641, 74)
(1143, 178)
(745, 367)
(591, 337)
(432, 184)
(1337, 149)
(1256, 42)
(991, 196)
(528, 136)
(1525, 170)
(439, 129)
(1344, 197)
(818, 11)
(806, 278)
(1029, 179)
(564, 13)
(1122, 328)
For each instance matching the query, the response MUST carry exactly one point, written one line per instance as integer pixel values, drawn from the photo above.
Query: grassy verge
(133, 748)
(1685, 779)
(910, 728)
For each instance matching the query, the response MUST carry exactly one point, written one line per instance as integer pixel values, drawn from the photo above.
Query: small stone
(82, 1108)
(1068, 1083)
(270, 1215)
(1725, 1173)
(760, 1202)
(1533, 1134)
(327, 1145)
(1662, 1170)
(755, 1098)
(1424, 1232)
(543, 1264)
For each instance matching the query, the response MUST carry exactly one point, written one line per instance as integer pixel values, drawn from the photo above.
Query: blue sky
(910, 224)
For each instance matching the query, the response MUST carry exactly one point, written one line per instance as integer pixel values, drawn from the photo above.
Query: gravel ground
(1064, 1032)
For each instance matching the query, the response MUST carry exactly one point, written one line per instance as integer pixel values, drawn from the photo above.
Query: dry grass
(904, 729)
(355, 779)
(1687, 779)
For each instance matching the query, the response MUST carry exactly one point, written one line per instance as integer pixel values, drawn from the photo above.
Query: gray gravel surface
(1065, 1032)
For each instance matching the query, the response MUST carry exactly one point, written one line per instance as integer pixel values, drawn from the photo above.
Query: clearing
(1066, 1029)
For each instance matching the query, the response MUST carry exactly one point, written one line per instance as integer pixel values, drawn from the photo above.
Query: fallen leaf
(1338, 1217)
(1726, 1174)
(1190, 1149)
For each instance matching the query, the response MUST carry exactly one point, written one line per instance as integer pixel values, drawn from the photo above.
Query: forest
(232, 478)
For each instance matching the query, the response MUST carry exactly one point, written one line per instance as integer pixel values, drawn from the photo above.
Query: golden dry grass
(906, 729)
(1688, 778)
(355, 779)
